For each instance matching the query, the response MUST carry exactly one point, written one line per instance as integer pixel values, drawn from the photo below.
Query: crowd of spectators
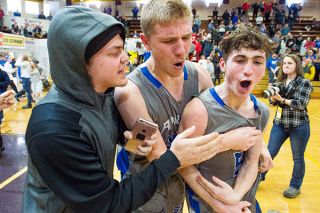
(27, 30)
(271, 19)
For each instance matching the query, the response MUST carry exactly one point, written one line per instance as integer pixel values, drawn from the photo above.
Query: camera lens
(140, 136)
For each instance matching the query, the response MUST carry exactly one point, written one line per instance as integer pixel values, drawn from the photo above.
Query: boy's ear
(222, 64)
(145, 41)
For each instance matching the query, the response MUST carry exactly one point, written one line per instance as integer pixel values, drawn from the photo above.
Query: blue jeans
(26, 85)
(271, 76)
(299, 137)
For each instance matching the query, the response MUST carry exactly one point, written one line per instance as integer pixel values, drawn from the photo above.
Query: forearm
(246, 177)
(97, 192)
(189, 174)
(249, 170)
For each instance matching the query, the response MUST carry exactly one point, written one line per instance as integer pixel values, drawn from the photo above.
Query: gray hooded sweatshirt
(72, 133)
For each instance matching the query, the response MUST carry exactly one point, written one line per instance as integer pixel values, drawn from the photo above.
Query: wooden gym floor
(13, 167)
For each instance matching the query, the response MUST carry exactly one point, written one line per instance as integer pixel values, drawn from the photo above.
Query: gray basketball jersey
(162, 106)
(221, 118)
(166, 112)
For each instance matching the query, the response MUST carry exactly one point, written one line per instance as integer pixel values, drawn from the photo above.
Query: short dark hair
(244, 37)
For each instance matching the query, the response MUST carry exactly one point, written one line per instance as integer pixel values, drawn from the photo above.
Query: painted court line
(13, 177)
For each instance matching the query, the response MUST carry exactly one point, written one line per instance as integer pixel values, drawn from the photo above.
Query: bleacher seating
(134, 25)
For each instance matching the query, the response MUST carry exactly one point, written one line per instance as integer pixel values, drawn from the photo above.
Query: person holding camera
(291, 119)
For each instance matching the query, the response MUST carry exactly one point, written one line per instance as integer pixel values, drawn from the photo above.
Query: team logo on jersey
(171, 124)
(170, 128)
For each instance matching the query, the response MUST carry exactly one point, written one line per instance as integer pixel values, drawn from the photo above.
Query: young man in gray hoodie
(72, 133)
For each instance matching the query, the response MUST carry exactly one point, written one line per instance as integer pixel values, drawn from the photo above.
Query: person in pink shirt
(309, 44)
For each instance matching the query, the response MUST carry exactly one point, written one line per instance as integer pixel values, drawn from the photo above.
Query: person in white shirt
(7, 67)
(24, 63)
(202, 61)
(36, 82)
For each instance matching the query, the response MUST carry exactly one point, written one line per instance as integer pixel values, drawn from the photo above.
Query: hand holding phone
(142, 130)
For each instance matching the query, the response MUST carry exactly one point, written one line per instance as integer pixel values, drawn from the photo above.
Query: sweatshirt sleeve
(74, 172)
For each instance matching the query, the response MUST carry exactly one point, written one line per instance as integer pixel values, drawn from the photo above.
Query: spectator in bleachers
(117, 14)
(15, 29)
(291, 20)
(283, 47)
(276, 39)
(233, 13)
(310, 55)
(210, 26)
(37, 32)
(17, 13)
(285, 30)
(271, 66)
(234, 19)
(317, 43)
(41, 16)
(298, 13)
(1, 17)
(271, 28)
(267, 9)
(202, 61)
(309, 44)
(49, 17)
(315, 24)
(239, 9)
(208, 65)
(263, 28)
(194, 12)
(215, 13)
(194, 57)
(317, 66)
(26, 31)
(108, 10)
(207, 45)
(217, 71)
(299, 41)
(245, 8)
(259, 20)
(140, 52)
(135, 11)
(255, 10)
(277, 15)
(303, 48)
(195, 27)
(226, 17)
(135, 34)
(309, 69)
(290, 41)
(282, 17)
